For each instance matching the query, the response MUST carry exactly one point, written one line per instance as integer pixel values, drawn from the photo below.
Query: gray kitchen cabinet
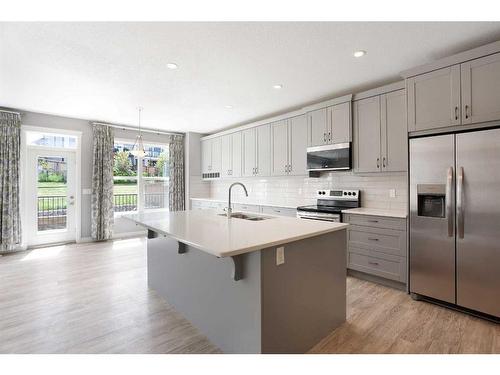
(330, 125)
(211, 157)
(257, 151)
(263, 151)
(206, 155)
(377, 246)
(297, 145)
(339, 123)
(231, 155)
(480, 80)
(249, 152)
(236, 151)
(394, 134)
(226, 155)
(318, 124)
(289, 146)
(279, 141)
(380, 140)
(434, 99)
(216, 155)
(367, 122)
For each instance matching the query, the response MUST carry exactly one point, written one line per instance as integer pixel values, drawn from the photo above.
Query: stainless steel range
(329, 205)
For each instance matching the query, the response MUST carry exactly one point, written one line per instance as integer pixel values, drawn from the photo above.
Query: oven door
(329, 157)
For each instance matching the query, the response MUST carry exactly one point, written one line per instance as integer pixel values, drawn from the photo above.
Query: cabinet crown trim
(488, 49)
(396, 86)
(284, 116)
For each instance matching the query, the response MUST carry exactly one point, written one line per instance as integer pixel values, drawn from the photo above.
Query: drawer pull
(373, 221)
(373, 263)
(373, 239)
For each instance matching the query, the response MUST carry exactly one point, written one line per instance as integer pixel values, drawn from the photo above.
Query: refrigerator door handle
(449, 215)
(460, 202)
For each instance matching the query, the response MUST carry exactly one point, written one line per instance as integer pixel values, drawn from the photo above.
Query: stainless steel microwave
(329, 157)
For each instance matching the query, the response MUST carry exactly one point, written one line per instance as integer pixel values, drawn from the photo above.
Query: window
(34, 138)
(140, 183)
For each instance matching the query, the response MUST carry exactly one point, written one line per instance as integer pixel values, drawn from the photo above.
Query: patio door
(50, 196)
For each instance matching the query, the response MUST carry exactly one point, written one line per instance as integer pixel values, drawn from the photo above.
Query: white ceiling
(103, 71)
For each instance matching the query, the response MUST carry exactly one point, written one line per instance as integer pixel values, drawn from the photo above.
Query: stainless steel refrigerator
(455, 219)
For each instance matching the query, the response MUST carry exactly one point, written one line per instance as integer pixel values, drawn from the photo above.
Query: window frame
(140, 178)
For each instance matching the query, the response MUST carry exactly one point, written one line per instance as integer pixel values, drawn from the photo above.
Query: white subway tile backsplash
(374, 188)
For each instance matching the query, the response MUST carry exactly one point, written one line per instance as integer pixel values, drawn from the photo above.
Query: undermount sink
(241, 215)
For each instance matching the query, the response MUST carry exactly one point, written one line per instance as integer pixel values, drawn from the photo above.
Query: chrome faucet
(229, 208)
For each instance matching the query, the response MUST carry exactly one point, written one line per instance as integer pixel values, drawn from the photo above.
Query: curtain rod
(124, 127)
(5, 111)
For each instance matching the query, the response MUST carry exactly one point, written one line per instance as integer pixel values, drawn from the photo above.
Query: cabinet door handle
(373, 239)
(456, 112)
(466, 111)
(324, 137)
(289, 167)
(329, 136)
(383, 161)
(378, 163)
(256, 170)
(373, 221)
(373, 263)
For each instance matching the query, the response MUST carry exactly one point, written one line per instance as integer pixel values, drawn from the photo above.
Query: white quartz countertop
(377, 212)
(206, 230)
(284, 204)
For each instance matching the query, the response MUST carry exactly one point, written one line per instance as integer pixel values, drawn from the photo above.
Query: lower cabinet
(279, 211)
(377, 246)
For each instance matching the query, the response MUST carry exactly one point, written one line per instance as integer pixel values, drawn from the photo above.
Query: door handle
(449, 181)
(373, 239)
(456, 112)
(373, 263)
(378, 163)
(383, 161)
(329, 136)
(466, 111)
(324, 137)
(460, 202)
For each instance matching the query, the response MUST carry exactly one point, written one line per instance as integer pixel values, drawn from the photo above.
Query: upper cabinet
(211, 157)
(434, 99)
(231, 155)
(380, 133)
(330, 125)
(289, 146)
(257, 151)
(458, 90)
(481, 89)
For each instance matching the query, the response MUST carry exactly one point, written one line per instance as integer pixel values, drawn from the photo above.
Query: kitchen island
(260, 284)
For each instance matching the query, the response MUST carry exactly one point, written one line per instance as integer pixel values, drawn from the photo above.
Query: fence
(52, 209)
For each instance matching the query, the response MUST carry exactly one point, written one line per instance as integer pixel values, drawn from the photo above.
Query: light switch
(280, 255)
(392, 193)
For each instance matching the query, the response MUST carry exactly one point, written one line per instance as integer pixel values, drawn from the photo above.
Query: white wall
(302, 190)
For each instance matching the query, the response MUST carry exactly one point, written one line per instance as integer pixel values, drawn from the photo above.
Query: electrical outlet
(280, 255)
(392, 193)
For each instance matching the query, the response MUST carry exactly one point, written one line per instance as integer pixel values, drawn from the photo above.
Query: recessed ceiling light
(359, 53)
(278, 87)
(172, 65)
(228, 107)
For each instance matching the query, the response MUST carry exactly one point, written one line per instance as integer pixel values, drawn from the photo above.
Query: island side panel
(201, 288)
(304, 299)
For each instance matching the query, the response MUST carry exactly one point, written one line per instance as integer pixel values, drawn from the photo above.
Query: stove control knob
(345, 192)
(354, 193)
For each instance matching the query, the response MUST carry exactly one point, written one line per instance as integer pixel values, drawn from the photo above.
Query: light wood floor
(93, 298)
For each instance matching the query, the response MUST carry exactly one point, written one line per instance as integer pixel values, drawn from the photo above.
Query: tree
(162, 164)
(123, 165)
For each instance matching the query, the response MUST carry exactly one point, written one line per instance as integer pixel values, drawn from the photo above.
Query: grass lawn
(51, 189)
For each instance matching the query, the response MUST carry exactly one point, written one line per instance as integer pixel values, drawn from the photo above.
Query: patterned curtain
(10, 142)
(176, 164)
(102, 183)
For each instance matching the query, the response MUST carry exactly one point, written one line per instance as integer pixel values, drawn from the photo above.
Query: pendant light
(138, 149)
